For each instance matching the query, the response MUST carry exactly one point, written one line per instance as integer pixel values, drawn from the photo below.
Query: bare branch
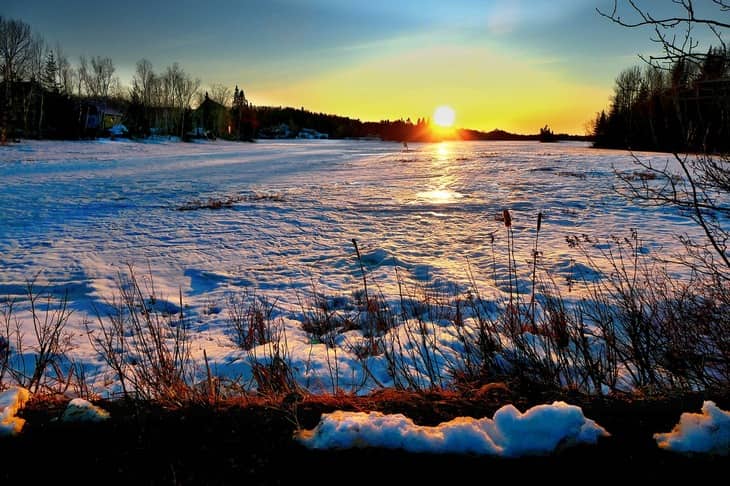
(682, 46)
(647, 19)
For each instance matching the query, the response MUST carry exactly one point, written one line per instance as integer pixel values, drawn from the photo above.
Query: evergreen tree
(243, 116)
(49, 76)
(547, 135)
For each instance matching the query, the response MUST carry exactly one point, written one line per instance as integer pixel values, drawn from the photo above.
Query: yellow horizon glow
(488, 90)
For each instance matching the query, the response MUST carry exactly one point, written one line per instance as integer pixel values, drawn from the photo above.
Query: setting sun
(444, 116)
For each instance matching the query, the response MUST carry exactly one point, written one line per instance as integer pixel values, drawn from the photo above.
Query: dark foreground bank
(252, 443)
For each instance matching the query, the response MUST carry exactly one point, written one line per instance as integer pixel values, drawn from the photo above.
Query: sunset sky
(508, 64)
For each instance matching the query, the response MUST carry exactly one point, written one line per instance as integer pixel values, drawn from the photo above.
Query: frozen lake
(77, 213)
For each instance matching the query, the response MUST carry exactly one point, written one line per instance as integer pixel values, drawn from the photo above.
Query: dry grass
(637, 329)
(228, 201)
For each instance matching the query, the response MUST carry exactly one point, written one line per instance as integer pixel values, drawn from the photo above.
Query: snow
(543, 429)
(119, 130)
(80, 410)
(12, 401)
(707, 432)
(76, 214)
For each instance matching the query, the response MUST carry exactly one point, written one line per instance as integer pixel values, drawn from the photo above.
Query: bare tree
(142, 95)
(103, 71)
(157, 97)
(181, 89)
(36, 58)
(166, 92)
(66, 73)
(655, 79)
(221, 94)
(116, 90)
(699, 185)
(143, 81)
(15, 44)
(628, 86)
(97, 77)
(34, 72)
(84, 75)
(676, 32)
(186, 91)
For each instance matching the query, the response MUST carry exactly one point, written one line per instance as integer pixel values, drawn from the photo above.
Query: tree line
(679, 106)
(44, 95)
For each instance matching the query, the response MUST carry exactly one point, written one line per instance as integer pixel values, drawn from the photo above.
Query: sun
(444, 116)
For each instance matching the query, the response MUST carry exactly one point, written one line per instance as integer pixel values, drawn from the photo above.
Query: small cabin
(100, 116)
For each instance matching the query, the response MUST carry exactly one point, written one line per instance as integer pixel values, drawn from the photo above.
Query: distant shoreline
(484, 137)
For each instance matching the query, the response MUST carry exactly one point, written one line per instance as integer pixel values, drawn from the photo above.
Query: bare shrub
(250, 317)
(477, 330)
(636, 328)
(376, 317)
(658, 332)
(324, 317)
(271, 364)
(6, 330)
(49, 316)
(258, 331)
(147, 346)
(412, 349)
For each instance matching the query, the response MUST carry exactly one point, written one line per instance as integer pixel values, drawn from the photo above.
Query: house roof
(209, 104)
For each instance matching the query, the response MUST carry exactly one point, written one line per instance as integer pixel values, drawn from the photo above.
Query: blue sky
(371, 59)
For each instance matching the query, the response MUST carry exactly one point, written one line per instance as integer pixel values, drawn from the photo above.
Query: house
(211, 119)
(281, 130)
(98, 115)
(310, 133)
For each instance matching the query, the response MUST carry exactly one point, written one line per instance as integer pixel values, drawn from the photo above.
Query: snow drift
(705, 432)
(542, 429)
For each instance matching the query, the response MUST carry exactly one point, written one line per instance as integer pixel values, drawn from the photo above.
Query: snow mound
(11, 401)
(544, 428)
(119, 130)
(80, 410)
(706, 432)
(541, 430)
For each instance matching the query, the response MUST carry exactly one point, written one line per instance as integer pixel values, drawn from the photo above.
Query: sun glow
(444, 116)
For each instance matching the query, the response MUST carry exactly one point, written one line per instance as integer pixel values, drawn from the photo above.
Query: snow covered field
(77, 213)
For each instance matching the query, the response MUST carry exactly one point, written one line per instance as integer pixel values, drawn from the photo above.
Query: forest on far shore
(683, 106)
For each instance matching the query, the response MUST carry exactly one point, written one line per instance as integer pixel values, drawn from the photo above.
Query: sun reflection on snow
(442, 178)
(440, 196)
(443, 150)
